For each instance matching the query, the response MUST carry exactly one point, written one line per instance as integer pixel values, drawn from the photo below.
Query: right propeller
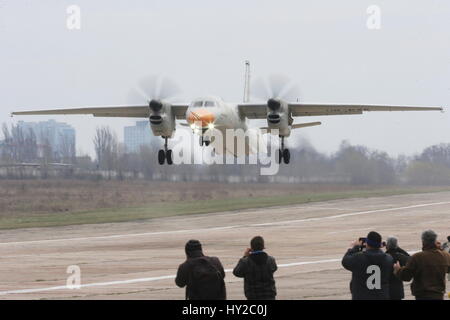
(274, 88)
(277, 90)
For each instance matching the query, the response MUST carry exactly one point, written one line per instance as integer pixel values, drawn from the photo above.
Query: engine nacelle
(162, 120)
(278, 116)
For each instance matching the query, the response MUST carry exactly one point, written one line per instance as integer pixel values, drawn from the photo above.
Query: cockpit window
(210, 104)
(198, 103)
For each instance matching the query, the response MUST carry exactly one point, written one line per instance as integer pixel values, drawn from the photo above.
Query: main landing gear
(283, 153)
(165, 155)
(203, 141)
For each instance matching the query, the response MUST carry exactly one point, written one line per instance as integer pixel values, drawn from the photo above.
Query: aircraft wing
(302, 110)
(140, 111)
(259, 111)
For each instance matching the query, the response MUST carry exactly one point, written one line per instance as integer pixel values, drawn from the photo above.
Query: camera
(364, 241)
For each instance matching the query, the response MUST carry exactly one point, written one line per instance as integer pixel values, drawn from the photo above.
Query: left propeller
(154, 90)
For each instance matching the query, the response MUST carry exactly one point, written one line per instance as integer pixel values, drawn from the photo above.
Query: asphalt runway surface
(138, 260)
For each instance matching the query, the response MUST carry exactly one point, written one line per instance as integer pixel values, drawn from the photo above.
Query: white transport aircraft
(205, 114)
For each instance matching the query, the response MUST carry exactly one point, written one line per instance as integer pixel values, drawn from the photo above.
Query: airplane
(213, 113)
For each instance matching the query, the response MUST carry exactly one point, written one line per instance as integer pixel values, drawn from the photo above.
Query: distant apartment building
(51, 136)
(137, 136)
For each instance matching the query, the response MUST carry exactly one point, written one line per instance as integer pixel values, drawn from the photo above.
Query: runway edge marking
(120, 282)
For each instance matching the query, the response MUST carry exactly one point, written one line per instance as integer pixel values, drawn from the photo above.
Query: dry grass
(47, 196)
(59, 202)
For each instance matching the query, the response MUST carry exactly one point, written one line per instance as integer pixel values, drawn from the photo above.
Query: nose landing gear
(204, 141)
(283, 153)
(165, 155)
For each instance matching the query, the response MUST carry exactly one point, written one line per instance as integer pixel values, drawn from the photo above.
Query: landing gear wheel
(280, 156)
(283, 153)
(202, 141)
(161, 157)
(169, 157)
(286, 156)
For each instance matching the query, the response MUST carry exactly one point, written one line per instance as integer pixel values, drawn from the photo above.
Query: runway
(138, 260)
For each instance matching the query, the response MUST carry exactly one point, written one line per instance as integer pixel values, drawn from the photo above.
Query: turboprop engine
(278, 116)
(162, 120)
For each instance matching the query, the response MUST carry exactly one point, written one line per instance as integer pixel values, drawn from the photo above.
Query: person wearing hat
(427, 269)
(371, 268)
(203, 276)
(257, 269)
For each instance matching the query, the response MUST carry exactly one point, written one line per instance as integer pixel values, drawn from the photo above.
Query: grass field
(44, 203)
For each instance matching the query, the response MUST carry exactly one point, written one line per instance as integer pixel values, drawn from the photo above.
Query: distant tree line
(351, 164)
(21, 145)
(17, 145)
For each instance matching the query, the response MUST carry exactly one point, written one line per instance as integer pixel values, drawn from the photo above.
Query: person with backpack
(396, 290)
(257, 269)
(371, 268)
(203, 276)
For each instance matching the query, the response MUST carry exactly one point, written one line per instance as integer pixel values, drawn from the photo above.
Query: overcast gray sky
(324, 46)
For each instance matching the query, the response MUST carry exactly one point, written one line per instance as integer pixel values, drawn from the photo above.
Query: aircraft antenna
(247, 82)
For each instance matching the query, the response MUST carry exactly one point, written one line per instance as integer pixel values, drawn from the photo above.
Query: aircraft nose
(201, 116)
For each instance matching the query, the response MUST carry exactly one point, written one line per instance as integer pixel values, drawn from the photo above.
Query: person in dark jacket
(371, 269)
(396, 290)
(203, 276)
(427, 269)
(446, 245)
(257, 269)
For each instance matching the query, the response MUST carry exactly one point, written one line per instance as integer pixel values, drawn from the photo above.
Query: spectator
(446, 245)
(203, 276)
(371, 269)
(396, 290)
(427, 269)
(257, 269)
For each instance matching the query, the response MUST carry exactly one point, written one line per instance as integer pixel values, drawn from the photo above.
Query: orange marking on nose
(202, 116)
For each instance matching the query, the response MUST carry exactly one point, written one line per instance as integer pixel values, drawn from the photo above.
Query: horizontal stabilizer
(304, 125)
(296, 126)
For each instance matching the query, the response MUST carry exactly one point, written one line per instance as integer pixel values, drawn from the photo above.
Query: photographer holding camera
(257, 269)
(371, 268)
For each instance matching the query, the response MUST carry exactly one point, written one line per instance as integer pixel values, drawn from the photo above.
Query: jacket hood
(194, 254)
(259, 257)
(397, 250)
(394, 250)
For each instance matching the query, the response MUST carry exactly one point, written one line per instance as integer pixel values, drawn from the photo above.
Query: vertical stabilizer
(247, 82)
